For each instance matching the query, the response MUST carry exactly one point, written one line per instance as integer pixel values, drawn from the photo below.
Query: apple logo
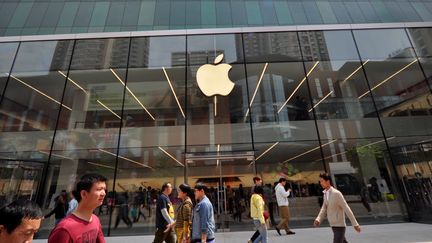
(213, 79)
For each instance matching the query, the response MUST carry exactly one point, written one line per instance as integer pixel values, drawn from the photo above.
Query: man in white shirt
(282, 201)
(335, 207)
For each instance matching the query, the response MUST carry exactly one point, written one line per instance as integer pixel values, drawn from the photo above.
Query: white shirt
(281, 195)
(326, 194)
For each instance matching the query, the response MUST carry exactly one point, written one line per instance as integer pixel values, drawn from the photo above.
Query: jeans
(262, 228)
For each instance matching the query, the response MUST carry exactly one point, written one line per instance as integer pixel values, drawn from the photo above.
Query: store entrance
(228, 176)
(19, 180)
(414, 168)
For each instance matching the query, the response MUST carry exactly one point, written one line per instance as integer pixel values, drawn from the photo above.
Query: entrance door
(228, 176)
(19, 180)
(414, 168)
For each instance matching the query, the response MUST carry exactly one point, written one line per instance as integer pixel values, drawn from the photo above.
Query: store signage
(213, 79)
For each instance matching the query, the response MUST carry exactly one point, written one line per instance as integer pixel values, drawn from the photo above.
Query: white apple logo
(213, 79)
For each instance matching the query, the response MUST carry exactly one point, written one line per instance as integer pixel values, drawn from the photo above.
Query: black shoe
(278, 230)
(290, 232)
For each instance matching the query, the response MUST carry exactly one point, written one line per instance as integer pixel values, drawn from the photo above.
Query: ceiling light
(172, 157)
(101, 165)
(127, 159)
(311, 150)
(256, 88)
(346, 79)
(133, 95)
(298, 86)
(75, 83)
(325, 97)
(267, 150)
(172, 89)
(106, 107)
(40, 92)
(387, 79)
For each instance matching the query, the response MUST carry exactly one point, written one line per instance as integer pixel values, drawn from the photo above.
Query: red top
(75, 230)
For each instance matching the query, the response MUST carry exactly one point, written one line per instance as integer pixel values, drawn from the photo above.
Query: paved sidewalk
(391, 233)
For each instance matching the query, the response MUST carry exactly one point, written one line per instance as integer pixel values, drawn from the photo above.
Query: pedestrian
(19, 221)
(60, 209)
(123, 210)
(257, 214)
(282, 201)
(184, 214)
(203, 223)
(82, 225)
(139, 204)
(257, 182)
(335, 207)
(164, 216)
(73, 203)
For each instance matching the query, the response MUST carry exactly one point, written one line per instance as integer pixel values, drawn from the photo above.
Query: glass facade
(25, 17)
(356, 103)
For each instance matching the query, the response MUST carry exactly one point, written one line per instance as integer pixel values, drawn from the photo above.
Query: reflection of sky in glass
(7, 51)
(381, 44)
(159, 58)
(35, 56)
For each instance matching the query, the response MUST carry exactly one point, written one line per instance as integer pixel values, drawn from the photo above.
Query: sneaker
(249, 241)
(290, 232)
(277, 230)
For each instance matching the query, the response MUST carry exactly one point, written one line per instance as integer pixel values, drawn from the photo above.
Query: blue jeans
(262, 228)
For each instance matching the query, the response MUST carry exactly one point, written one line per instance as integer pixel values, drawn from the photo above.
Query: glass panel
(147, 13)
(178, 14)
(20, 16)
(132, 9)
(213, 121)
(283, 13)
(298, 12)
(369, 13)
(88, 132)
(153, 130)
(36, 15)
(356, 16)
(341, 12)
(421, 38)
(194, 15)
(382, 11)
(208, 13)
(253, 13)
(6, 13)
(115, 14)
(238, 13)
(68, 14)
(312, 12)
(7, 55)
(402, 97)
(268, 13)
(52, 15)
(32, 100)
(300, 163)
(100, 14)
(162, 13)
(327, 13)
(223, 13)
(271, 47)
(84, 14)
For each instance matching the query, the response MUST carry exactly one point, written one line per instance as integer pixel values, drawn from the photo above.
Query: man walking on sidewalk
(82, 225)
(282, 201)
(335, 207)
(203, 223)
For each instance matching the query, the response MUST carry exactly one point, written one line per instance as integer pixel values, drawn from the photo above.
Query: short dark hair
(86, 182)
(256, 178)
(201, 186)
(258, 190)
(325, 176)
(12, 215)
(165, 185)
(282, 179)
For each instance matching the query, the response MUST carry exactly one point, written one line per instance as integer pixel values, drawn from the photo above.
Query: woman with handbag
(184, 213)
(257, 214)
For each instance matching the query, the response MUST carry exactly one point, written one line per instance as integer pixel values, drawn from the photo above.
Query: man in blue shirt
(203, 224)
